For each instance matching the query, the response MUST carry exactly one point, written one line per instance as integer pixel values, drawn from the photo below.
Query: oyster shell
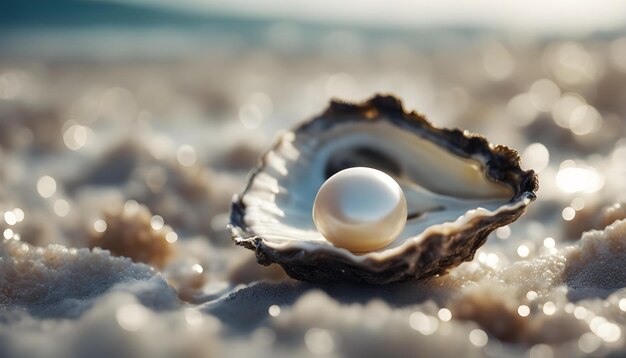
(458, 187)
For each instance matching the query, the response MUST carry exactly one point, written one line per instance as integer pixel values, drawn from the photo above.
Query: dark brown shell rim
(416, 261)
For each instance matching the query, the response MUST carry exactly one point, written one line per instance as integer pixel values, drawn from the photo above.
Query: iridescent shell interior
(444, 191)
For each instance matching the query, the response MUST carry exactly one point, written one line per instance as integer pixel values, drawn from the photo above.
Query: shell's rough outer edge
(501, 164)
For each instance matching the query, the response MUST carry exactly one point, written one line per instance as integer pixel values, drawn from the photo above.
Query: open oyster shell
(458, 187)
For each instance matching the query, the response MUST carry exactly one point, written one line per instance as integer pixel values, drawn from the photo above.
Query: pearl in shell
(360, 209)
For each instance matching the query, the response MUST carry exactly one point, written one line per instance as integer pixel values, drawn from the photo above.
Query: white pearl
(360, 209)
